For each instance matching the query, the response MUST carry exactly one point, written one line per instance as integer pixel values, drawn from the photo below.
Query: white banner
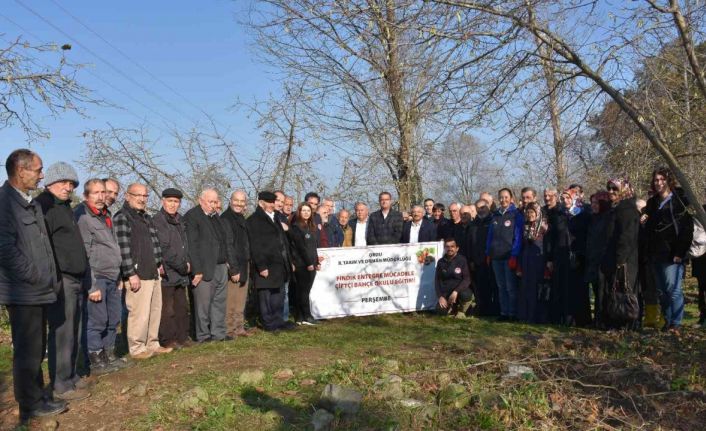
(379, 279)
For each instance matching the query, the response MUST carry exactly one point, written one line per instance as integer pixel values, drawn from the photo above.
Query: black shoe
(310, 321)
(503, 318)
(100, 364)
(229, 338)
(115, 360)
(287, 326)
(45, 408)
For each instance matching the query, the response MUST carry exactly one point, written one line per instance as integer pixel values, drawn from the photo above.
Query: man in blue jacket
(28, 281)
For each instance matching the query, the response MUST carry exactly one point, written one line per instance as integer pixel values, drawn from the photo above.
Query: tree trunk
(555, 117)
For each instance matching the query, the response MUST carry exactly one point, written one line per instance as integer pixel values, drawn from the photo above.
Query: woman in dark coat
(566, 260)
(531, 263)
(596, 242)
(621, 254)
(304, 240)
(669, 229)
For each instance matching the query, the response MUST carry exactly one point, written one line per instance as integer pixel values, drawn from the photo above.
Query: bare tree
(603, 45)
(377, 73)
(31, 88)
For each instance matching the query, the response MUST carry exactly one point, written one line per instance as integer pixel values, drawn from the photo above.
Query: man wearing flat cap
(211, 257)
(269, 253)
(64, 315)
(174, 325)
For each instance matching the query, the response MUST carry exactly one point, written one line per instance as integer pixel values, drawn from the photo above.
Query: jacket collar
(17, 195)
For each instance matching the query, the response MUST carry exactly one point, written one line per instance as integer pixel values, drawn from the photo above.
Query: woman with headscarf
(596, 243)
(669, 229)
(621, 255)
(566, 260)
(531, 263)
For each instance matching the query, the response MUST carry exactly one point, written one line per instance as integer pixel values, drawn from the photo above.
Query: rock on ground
(321, 420)
(335, 397)
(251, 377)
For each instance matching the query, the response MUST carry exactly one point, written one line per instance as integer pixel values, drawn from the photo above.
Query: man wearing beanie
(269, 251)
(64, 315)
(174, 325)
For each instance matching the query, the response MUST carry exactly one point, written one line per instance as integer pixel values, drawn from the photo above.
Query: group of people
(70, 275)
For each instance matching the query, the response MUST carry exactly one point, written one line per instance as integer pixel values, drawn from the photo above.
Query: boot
(111, 358)
(99, 366)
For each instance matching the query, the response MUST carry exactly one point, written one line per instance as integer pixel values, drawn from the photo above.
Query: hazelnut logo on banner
(360, 281)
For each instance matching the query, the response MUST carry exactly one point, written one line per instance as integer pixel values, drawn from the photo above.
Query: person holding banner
(453, 281)
(304, 238)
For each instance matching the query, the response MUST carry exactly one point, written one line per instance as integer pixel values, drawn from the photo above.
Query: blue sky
(196, 48)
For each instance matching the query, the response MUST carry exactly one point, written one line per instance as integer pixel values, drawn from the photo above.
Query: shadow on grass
(292, 418)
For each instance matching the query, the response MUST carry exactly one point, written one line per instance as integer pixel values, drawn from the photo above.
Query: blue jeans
(103, 316)
(668, 277)
(506, 280)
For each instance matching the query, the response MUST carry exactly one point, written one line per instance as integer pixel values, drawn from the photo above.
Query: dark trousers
(486, 292)
(29, 341)
(63, 317)
(103, 316)
(702, 298)
(271, 303)
(174, 326)
(302, 288)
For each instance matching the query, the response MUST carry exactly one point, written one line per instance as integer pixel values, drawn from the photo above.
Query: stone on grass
(284, 374)
(50, 425)
(411, 403)
(391, 365)
(390, 387)
(308, 382)
(340, 398)
(140, 390)
(251, 377)
(192, 398)
(321, 420)
(454, 395)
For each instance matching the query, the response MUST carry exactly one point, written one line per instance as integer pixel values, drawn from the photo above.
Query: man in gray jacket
(28, 281)
(104, 303)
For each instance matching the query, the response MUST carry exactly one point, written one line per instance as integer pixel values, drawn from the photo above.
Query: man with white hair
(419, 228)
(210, 250)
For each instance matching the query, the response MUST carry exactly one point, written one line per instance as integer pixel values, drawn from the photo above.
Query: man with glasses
(212, 265)
(385, 223)
(28, 281)
(140, 268)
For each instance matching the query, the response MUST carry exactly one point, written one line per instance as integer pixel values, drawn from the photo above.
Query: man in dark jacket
(28, 281)
(104, 305)
(269, 252)
(486, 292)
(360, 224)
(419, 229)
(71, 262)
(174, 322)
(140, 270)
(385, 223)
(210, 253)
(453, 281)
(234, 218)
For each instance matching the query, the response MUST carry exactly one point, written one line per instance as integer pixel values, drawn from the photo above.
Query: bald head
(238, 201)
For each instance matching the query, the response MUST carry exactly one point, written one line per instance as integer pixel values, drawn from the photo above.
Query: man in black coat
(485, 289)
(272, 266)
(234, 218)
(210, 253)
(385, 223)
(71, 260)
(419, 229)
(28, 281)
(174, 324)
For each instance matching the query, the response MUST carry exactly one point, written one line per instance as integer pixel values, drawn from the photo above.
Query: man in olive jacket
(269, 252)
(28, 281)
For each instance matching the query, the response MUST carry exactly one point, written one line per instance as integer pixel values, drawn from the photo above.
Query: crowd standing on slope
(70, 276)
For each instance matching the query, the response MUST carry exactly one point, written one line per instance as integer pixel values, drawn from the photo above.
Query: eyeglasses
(137, 195)
(612, 188)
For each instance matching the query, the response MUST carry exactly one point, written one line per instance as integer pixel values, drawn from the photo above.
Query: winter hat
(60, 171)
